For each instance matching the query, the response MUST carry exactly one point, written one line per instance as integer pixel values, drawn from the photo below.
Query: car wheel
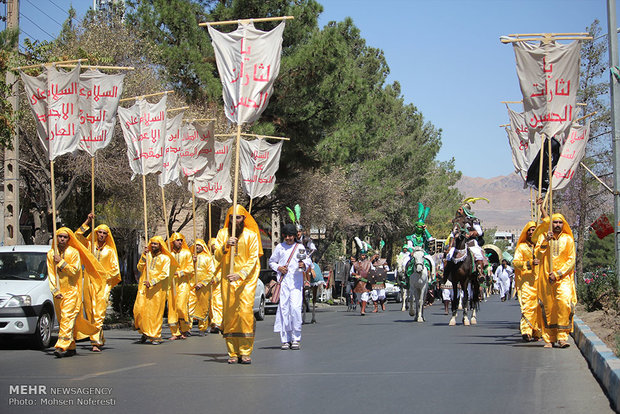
(43, 333)
(260, 313)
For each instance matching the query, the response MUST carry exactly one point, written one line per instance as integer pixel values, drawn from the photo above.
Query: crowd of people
(214, 283)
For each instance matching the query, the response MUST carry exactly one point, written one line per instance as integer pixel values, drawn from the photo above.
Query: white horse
(418, 284)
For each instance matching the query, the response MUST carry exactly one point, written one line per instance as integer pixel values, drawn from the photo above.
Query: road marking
(114, 371)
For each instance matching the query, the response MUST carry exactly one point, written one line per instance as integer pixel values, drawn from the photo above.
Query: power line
(40, 28)
(60, 8)
(51, 18)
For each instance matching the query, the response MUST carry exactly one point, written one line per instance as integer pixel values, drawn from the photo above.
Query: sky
(445, 54)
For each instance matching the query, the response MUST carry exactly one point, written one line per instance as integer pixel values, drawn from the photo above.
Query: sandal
(95, 348)
(246, 360)
(563, 344)
(232, 360)
(526, 338)
(548, 345)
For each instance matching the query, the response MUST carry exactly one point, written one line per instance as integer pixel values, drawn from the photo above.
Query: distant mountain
(509, 207)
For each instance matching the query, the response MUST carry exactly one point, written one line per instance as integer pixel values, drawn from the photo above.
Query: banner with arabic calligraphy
(524, 146)
(259, 162)
(172, 149)
(144, 130)
(573, 150)
(248, 61)
(99, 97)
(518, 153)
(197, 148)
(216, 183)
(549, 79)
(53, 97)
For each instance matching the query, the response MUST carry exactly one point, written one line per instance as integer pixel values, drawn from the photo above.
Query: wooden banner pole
(194, 225)
(238, 21)
(250, 207)
(163, 202)
(235, 193)
(92, 202)
(146, 228)
(54, 239)
(210, 232)
(145, 96)
(540, 164)
(550, 192)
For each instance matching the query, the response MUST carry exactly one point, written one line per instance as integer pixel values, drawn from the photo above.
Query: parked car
(26, 303)
(259, 301)
(266, 276)
(392, 291)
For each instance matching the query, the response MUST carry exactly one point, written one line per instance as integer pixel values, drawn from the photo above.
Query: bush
(598, 290)
(123, 297)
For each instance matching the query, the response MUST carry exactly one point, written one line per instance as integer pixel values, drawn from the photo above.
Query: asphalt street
(348, 363)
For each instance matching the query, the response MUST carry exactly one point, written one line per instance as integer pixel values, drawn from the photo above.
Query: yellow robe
(97, 291)
(204, 274)
(148, 310)
(556, 300)
(526, 283)
(72, 325)
(238, 296)
(178, 315)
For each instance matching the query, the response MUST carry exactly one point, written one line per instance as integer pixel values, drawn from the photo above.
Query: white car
(26, 303)
(259, 301)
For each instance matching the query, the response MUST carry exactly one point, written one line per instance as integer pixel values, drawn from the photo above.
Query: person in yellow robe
(556, 285)
(204, 276)
(239, 284)
(216, 309)
(64, 268)
(526, 278)
(97, 295)
(178, 314)
(156, 266)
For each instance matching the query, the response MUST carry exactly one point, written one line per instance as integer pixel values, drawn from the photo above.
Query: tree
(584, 198)
(8, 44)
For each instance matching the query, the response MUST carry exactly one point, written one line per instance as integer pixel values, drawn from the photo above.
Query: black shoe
(143, 339)
(70, 352)
(59, 353)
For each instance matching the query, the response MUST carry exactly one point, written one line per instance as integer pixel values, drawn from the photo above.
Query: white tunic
(503, 279)
(288, 318)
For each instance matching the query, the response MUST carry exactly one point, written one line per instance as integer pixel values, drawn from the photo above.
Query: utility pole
(11, 156)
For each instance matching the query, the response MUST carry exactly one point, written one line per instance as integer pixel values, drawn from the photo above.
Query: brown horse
(460, 271)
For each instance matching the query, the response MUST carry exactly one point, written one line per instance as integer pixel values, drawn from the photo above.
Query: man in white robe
(289, 261)
(503, 274)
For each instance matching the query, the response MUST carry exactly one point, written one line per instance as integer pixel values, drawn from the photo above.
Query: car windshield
(23, 266)
(391, 277)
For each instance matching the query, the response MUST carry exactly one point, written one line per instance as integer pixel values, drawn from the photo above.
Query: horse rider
(421, 238)
(470, 225)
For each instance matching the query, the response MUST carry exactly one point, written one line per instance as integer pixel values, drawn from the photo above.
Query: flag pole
(550, 193)
(234, 221)
(210, 233)
(250, 207)
(92, 202)
(540, 164)
(163, 202)
(54, 241)
(194, 225)
(146, 229)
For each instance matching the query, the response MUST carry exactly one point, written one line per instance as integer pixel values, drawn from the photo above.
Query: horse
(312, 281)
(418, 284)
(461, 272)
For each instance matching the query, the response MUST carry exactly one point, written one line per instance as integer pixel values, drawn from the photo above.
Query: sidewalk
(602, 361)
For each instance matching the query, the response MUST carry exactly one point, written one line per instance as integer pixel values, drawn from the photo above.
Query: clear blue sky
(446, 54)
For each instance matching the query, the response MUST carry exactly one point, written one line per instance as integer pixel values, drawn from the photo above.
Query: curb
(602, 361)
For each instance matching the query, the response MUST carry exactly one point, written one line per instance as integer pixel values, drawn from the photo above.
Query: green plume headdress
(295, 216)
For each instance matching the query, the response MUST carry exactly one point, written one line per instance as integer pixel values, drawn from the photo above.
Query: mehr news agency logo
(43, 395)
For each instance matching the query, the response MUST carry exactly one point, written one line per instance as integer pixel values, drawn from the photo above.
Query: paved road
(348, 364)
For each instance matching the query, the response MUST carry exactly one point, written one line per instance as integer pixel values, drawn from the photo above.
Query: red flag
(602, 226)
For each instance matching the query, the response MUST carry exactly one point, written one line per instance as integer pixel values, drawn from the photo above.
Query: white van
(26, 303)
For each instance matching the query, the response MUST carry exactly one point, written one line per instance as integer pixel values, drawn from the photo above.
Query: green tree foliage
(598, 252)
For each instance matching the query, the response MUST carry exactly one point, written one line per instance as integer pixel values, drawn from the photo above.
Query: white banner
(248, 61)
(259, 161)
(573, 150)
(144, 130)
(99, 97)
(549, 79)
(198, 151)
(524, 145)
(216, 184)
(172, 151)
(54, 102)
